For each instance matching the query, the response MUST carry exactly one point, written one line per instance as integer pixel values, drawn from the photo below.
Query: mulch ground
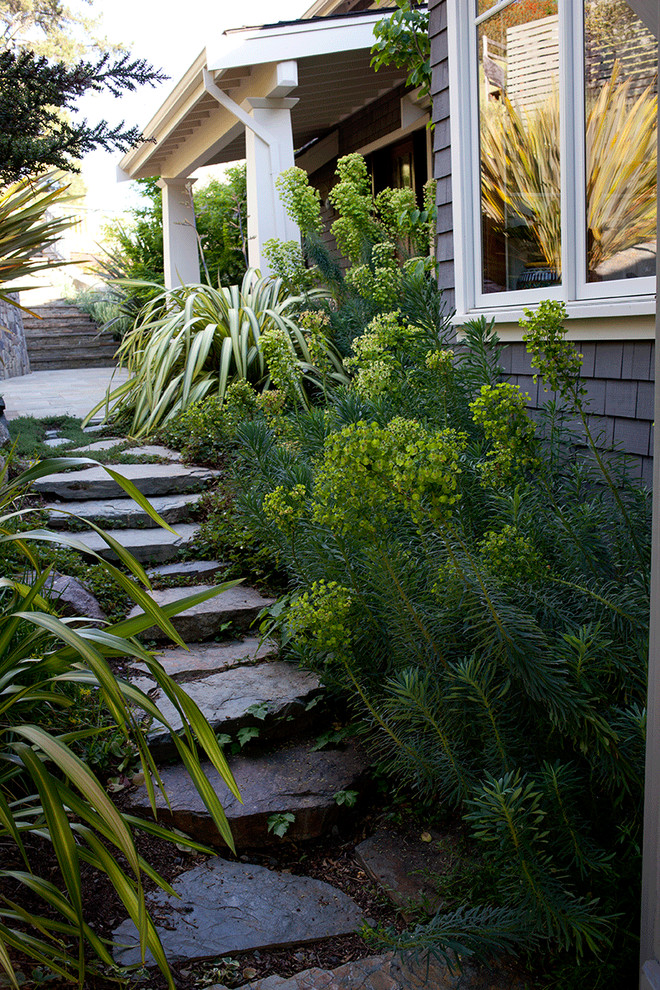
(331, 859)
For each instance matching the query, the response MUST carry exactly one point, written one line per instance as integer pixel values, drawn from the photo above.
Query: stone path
(59, 393)
(246, 693)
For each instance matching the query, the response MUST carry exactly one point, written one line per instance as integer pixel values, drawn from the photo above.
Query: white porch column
(266, 215)
(179, 233)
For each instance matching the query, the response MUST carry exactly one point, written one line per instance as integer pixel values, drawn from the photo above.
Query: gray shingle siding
(441, 146)
(620, 390)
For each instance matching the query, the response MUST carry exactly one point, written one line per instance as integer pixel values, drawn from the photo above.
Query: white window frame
(620, 297)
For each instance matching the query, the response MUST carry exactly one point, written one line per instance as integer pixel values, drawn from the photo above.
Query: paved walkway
(58, 393)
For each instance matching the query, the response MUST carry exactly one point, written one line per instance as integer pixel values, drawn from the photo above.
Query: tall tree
(51, 28)
(37, 133)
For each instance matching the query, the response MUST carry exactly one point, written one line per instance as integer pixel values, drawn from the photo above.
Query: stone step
(63, 333)
(385, 972)
(54, 347)
(201, 659)
(154, 546)
(71, 362)
(55, 308)
(61, 324)
(199, 570)
(274, 697)
(291, 781)
(238, 606)
(224, 907)
(76, 349)
(56, 314)
(123, 512)
(150, 479)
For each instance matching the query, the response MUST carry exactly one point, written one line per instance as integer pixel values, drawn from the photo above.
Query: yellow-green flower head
(501, 412)
(510, 556)
(322, 616)
(442, 361)
(285, 506)
(369, 473)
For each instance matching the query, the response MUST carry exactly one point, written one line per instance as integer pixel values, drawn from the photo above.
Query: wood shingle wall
(441, 146)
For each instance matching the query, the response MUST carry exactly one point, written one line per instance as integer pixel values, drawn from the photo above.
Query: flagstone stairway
(62, 336)
(245, 691)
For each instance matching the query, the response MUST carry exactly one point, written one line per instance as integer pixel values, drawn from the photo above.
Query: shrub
(376, 236)
(464, 572)
(191, 342)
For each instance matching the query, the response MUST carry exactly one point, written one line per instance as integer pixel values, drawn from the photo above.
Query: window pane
(518, 56)
(621, 142)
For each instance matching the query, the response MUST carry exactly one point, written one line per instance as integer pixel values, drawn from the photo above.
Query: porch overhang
(332, 56)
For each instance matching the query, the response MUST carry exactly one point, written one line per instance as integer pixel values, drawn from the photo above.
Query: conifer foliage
(35, 134)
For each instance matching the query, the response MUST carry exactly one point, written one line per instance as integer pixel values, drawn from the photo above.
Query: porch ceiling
(334, 81)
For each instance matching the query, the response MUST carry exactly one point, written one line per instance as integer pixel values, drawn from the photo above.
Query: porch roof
(323, 62)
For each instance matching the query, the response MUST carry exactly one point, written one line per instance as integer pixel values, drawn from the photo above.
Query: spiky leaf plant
(26, 230)
(49, 796)
(191, 342)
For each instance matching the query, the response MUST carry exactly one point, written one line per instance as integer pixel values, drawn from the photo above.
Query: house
(297, 92)
(557, 72)
(554, 234)
(303, 92)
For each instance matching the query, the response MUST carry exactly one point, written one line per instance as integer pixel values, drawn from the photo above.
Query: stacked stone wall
(13, 349)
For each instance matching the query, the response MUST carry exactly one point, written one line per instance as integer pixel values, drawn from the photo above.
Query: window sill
(597, 319)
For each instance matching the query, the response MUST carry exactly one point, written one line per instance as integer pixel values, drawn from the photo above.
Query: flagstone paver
(210, 658)
(238, 606)
(150, 479)
(294, 780)
(374, 973)
(225, 699)
(153, 450)
(199, 569)
(224, 907)
(123, 512)
(153, 545)
(99, 445)
(404, 868)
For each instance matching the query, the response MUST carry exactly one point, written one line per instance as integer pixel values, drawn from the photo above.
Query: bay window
(554, 138)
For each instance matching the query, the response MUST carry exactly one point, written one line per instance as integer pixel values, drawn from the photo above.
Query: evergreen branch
(480, 933)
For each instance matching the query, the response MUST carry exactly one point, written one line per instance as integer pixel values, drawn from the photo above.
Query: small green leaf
(246, 733)
(280, 823)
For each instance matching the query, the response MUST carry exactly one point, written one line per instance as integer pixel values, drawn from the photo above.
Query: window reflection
(519, 132)
(621, 89)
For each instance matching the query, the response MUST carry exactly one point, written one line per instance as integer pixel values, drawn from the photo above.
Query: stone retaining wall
(13, 349)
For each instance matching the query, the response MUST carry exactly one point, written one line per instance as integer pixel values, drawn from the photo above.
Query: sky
(169, 34)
